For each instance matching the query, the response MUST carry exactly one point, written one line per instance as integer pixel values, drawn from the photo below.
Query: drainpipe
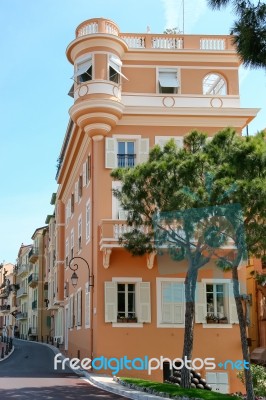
(92, 242)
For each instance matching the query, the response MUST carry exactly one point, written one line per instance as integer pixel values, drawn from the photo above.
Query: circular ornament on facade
(83, 90)
(168, 101)
(216, 102)
(116, 91)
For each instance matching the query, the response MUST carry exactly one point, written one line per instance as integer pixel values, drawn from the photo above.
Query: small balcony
(34, 305)
(4, 293)
(22, 269)
(33, 280)
(22, 292)
(33, 254)
(126, 160)
(22, 315)
(5, 309)
(33, 331)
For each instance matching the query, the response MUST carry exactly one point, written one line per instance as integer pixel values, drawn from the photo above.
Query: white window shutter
(144, 302)
(71, 312)
(88, 222)
(233, 318)
(110, 302)
(87, 306)
(110, 153)
(79, 307)
(144, 148)
(75, 309)
(179, 141)
(162, 140)
(84, 174)
(200, 303)
(76, 191)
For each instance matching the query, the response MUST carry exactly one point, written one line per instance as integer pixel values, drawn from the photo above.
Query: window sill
(167, 325)
(223, 326)
(127, 325)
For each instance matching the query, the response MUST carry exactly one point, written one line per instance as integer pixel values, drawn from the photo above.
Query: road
(28, 374)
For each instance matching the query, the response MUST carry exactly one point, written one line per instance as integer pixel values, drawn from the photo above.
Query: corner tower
(97, 54)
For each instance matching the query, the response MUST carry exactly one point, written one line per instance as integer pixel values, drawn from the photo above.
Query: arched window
(214, 84)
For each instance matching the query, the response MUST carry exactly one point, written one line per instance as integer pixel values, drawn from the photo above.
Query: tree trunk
(243, 335)
(190, 287)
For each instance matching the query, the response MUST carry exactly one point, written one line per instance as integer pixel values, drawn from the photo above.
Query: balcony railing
(34, 305)
(126, 160)
(5, 308)
(22, 269)
(33, 280)
(156, 41)
(33, 254)
(22, 315)
(22, 292)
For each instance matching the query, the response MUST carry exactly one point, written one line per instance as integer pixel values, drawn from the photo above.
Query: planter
(216, 321)
(127, 320)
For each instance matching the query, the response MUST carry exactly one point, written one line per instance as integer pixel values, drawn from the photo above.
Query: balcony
(4, 294)
(33, 254)
(22, 292)
(22, 269)
(176, 42)
(22, 315)
(32, 331)
(5, 308)
(34, 305)
(33, 280)
(126, 160)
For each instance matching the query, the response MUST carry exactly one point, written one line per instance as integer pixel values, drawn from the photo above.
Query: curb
(9, 354)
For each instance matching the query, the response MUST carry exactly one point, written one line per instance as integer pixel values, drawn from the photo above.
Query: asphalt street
(28, 374)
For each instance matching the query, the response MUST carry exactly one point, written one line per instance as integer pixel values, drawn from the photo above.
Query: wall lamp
(74, 267)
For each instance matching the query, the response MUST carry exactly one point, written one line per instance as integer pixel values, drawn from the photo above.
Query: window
(124, 151)
(72, 203)
(126, 154)
(87, 171)
(170, 302)
(68, 211)
(162, 140)
(72, 244)
(214, 84)
(168, 82)
(80, 188)
(88, 221)
(87, 305)
(79, 233)
(127, 300)
(83, 70)
(115, 73)
(67, 253)
(215, 303)
(79, 307)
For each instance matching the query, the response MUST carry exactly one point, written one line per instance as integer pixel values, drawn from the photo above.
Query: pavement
(3, 345)
(104, 382)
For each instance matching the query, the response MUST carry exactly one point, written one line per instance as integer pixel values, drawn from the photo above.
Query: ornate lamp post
(74, 268)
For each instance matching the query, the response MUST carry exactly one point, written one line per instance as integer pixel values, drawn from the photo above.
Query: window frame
(88, 59)
(175, 89)
(210, 92)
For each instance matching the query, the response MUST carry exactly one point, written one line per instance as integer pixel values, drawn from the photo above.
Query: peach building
(132, 91)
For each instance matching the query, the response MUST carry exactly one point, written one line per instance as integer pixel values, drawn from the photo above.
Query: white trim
(127, 325)
(126, 279)
(219, 326)
(126, 137)
(222, 280)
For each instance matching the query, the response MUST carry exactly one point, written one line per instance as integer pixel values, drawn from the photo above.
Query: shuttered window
(79, 307)
(125, 152)
(87, 305)
(88, 221)
(162, 140)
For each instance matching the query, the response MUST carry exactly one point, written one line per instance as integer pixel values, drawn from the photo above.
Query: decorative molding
(106, 257)
(150, 260)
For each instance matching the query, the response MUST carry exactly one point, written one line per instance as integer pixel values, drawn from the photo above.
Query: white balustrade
(167, 43)
(212, 44)
(134, 42)
(88, 29)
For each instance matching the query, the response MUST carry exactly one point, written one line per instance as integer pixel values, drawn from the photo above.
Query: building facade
(130, 92)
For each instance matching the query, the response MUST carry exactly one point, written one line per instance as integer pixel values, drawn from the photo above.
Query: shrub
(258, 377)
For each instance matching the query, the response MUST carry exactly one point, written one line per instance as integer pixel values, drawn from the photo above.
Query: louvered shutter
(76, 191)
(79, 308)
(110, 302)
(75, 309)
(87, 306)
(84, 173)
(233, 318)
(144, 302)
(200, 303)
(144, 148)
(110, 153)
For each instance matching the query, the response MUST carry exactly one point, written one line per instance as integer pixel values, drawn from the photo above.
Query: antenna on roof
(148, 29)
(183, 5)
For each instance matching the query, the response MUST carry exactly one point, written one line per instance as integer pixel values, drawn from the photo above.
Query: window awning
(82, 68)
(116, 64)
(167, 79)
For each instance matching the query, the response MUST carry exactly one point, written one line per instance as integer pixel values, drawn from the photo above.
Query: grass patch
(178, 391)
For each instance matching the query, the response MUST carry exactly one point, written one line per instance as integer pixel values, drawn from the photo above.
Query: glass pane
(219, 288)
(209, 288)
(121, 287)
(210, 303)
(131, 287)
(131, 302)
(121, 302)
(121, 148)
(130, 147)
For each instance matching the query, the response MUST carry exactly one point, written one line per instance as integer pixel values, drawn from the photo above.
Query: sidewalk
(3, 345)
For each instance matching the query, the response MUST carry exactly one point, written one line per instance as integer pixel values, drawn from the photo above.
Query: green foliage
(249, 30)
(174, 390)
(258, 377)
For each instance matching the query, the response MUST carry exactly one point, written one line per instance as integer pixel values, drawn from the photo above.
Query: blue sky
(35, 80)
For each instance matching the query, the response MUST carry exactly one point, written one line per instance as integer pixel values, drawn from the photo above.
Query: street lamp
(74, 268)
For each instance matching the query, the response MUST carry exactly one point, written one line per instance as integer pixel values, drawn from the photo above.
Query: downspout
(92, 243)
